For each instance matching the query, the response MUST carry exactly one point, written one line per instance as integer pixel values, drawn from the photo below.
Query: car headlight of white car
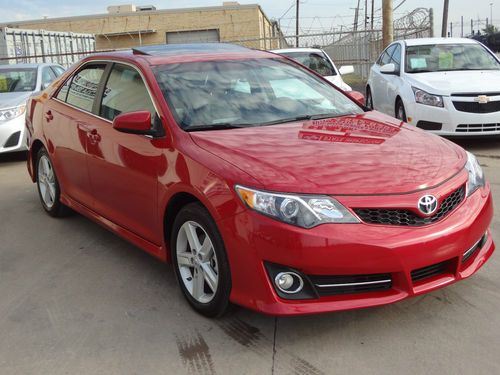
(305, 211)
(476, 175)
(423, 97)
(11, 113)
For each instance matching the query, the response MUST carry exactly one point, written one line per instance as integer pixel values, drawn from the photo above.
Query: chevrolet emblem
(482, 99)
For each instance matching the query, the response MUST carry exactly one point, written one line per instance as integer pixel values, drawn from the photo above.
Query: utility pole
(491, 13)
(445, 18)
(451, 29)
(356, 17)
(366, 15)
(373, 10)
(297, 24)
(462, 27)
(387, 22)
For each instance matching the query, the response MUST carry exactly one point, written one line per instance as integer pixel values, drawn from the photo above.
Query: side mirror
(357, 96)
(133, 123)
(346, 69)
(388, 69)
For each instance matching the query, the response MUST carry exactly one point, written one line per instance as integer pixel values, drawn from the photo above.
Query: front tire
(400, 111)
(200, 261)
(369, 98)
(48, 185)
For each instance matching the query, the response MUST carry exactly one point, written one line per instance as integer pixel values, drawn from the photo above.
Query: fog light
(289, 282)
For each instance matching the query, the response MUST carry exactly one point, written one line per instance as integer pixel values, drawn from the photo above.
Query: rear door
(123, 167)
(379, 82)
(67, 118)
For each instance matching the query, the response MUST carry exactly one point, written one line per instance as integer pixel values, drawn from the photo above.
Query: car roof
(178, 53)
(26, 66)
(427, 41)
(286, 50)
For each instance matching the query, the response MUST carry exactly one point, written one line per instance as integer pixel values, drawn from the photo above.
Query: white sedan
(449, 86)
(318, 61)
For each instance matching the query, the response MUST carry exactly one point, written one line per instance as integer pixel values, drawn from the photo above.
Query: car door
(394, 81)
(67, 118)
(124, 167)
(379, 80)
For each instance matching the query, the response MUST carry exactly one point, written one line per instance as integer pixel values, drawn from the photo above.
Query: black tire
(369, 99)
(219, 304)
(57, 209)
(400, 112)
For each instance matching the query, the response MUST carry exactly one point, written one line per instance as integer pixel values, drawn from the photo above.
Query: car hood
(369, 153)
(13, 99)
(446, 83)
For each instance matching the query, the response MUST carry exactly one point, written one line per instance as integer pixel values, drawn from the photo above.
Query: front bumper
(253, 240)
(454, 122)
(13, 135)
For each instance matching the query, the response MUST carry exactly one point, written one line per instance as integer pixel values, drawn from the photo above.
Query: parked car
(17, 83)
(264, 185)
(449, 86)
(318, 61)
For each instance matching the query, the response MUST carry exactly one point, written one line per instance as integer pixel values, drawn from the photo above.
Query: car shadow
(477, 144)
(13, 157)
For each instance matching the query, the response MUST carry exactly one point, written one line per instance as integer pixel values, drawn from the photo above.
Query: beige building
(129, 25)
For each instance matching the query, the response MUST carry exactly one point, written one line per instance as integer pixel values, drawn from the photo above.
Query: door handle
(94, 136)
(49, 116)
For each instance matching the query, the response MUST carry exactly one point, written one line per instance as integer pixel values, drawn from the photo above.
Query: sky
(315, 15)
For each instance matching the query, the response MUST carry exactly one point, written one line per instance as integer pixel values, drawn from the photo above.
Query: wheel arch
(36, 146)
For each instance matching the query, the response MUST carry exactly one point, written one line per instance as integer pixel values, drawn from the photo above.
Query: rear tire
(48, 186)
(369, 98)
(200, 261)
(400, 111)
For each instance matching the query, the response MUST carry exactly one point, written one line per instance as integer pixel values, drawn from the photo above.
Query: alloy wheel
(46, 181)
(197, 262)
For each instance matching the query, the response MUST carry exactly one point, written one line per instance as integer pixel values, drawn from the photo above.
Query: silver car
(17, 83)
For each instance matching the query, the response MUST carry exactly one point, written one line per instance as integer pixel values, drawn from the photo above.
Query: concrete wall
(235, 22)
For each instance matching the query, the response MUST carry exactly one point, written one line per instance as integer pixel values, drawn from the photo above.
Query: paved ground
(75, 299)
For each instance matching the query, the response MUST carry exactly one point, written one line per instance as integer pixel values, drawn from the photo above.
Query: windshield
(17, 80)
(448, 57)
(316, 61)
(247, 93)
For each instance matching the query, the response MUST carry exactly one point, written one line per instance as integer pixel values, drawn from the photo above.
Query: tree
(490, 29)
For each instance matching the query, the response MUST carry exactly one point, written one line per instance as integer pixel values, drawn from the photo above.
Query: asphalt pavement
(76, 299)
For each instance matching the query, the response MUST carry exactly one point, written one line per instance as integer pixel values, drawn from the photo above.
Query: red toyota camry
(261, 182)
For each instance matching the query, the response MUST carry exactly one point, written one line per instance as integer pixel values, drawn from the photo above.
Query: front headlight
(305, 211)
(423, 97)
(11, 113)
(476, 175)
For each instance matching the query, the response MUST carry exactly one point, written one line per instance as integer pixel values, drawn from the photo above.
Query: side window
(125, 91)
(396, 56)
(385, 58)
(47, 77)
(57, 70)
(83, 88)
(63, 92)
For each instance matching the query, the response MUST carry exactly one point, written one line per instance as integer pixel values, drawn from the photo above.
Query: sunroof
(170, 49)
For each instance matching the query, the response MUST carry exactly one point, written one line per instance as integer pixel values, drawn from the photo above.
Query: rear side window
(83, 88)
(47, 76)
(125, 92)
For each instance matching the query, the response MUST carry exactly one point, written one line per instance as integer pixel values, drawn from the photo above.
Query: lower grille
(475, 107)
(478, 128)
(474, 249)
(429, 271)
(350, 284)
(409, 218)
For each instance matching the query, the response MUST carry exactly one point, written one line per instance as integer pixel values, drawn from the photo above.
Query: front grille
(478, 128)
(350, 284)
(387, 216)
(429, 271)
(475, 107)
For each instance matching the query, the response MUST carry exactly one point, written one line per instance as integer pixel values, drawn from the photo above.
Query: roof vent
(145, 8)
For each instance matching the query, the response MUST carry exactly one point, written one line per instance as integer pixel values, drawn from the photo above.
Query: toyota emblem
(428, 204)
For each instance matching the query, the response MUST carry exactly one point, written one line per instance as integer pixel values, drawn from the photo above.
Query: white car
(318, 61)
(17, 83)
(450, 86)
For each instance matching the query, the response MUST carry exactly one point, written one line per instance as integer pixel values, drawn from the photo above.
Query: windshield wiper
(225, 125)
(300, 118)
